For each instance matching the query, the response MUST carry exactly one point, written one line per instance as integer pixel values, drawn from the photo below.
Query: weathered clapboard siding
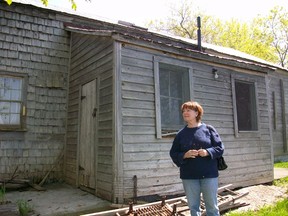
(34, 44)
(91, 58)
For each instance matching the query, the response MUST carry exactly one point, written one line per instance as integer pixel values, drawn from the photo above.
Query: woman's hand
(191, 154)
(203, 153)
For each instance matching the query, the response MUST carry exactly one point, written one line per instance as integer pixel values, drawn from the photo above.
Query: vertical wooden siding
(91, 57)
(148, 158)
(278, 93)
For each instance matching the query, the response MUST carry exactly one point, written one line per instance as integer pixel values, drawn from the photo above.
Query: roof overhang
(171, 45)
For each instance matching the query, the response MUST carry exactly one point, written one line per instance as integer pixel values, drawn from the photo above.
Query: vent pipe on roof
(199, 33)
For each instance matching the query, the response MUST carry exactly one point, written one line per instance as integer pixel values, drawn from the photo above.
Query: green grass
(281, 165)
(283, 182)
(280, 207)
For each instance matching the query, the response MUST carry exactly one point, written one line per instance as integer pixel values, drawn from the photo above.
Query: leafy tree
(266, 38)
(246, 37)
(182, 22)
(275, 25)
(45, 2)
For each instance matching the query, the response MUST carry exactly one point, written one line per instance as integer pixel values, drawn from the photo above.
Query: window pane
(165, 110)
(246, 106)
(4, 107)
(10, 88)
(4, 119)
(176, 112)
(164, 83)
(15, 95)
(16, 84)
(5, 94)
(14, 119)
(15, 108)
(176, 84)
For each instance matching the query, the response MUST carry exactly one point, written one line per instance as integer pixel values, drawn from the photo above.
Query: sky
(141, 12)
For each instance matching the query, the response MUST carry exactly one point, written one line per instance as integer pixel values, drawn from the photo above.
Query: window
(246, 106)
(11, 102)
(174, 89)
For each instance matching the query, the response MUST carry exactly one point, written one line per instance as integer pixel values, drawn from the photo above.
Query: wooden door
(87, 139)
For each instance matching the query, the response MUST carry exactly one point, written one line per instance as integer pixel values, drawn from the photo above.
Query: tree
(246, 37)
(264, 38)
(275, 25)
(45, 2)
(182, 22)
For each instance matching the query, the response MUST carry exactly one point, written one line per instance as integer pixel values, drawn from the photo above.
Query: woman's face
(189, 114)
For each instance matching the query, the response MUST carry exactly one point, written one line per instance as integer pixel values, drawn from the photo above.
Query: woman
(195, 149)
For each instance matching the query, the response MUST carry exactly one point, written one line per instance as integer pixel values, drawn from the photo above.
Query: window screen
(246, 106)
(174, 90)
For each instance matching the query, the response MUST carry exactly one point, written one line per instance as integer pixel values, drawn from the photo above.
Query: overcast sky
(140, 12)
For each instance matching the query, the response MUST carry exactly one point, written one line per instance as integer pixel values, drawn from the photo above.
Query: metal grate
(153, 210)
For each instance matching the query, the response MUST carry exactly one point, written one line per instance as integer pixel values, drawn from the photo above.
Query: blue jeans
(208, 187)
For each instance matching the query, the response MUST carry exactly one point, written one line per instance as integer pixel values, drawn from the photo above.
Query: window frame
(243, 78)
(23, 110)
(165, 60)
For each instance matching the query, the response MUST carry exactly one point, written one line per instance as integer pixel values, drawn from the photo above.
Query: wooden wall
(35, 45)
(278, 93)
(91, 58)
(144, 156)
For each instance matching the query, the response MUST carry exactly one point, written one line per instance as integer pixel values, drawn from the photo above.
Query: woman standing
(195, 150)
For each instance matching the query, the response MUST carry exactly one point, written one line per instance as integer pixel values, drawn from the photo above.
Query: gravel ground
(261, 195)
(258, 196)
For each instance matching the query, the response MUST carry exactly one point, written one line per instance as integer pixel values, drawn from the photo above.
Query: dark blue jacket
(205, 137)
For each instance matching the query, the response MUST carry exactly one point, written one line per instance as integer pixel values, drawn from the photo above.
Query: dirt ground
(63, 199)
(261, 195)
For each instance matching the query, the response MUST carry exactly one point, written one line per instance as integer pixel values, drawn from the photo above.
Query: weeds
(283, 182)
(2, 194)
(24, 207)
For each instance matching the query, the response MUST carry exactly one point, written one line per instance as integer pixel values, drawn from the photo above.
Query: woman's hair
(193, 106)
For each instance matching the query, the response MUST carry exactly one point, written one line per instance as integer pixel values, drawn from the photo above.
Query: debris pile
(177, 206)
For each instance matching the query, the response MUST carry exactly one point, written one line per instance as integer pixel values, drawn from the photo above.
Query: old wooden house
(97, 103)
